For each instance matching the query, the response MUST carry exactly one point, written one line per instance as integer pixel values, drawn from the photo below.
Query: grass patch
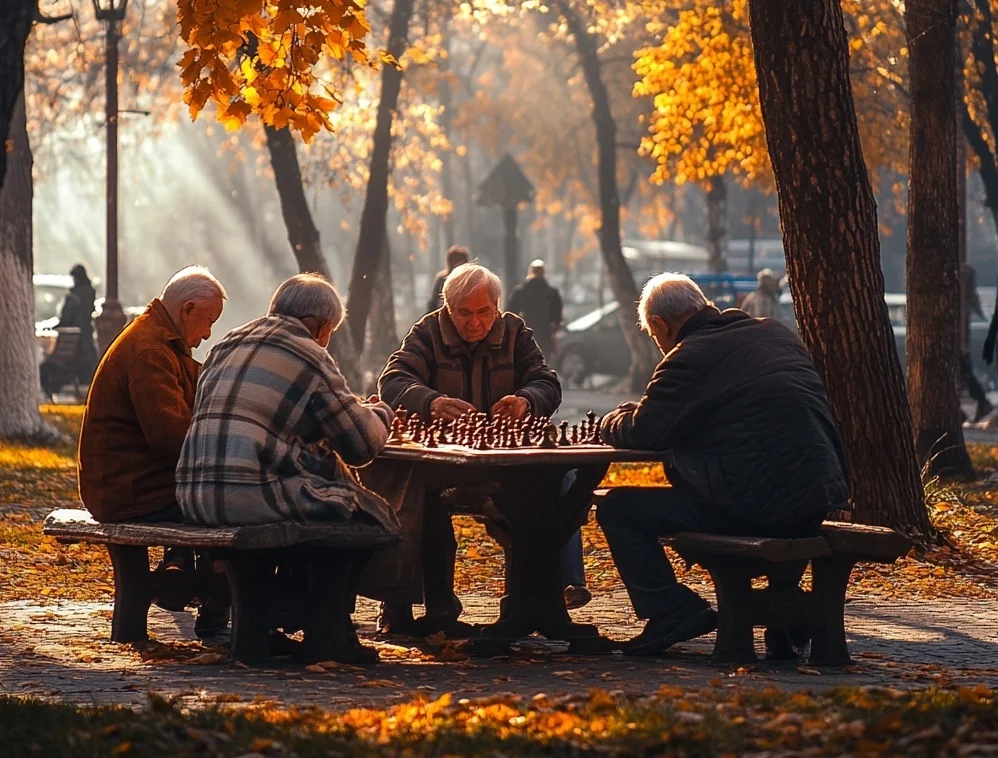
(714, 721)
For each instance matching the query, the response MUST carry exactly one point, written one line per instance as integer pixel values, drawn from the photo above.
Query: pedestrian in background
(456, 256)
(539, 305)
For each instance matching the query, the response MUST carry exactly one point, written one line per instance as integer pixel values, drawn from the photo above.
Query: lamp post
(112, 318)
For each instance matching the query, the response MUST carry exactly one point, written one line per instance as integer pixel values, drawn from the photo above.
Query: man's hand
(446, 408)
(511, 406)
(373, 399)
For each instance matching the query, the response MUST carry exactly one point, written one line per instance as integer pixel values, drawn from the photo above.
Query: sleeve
(436, 295)
(356, 430)
(664, 413)
(537, 382)
(557, 308)
(158, 399)
(405, 381)
(513, 305)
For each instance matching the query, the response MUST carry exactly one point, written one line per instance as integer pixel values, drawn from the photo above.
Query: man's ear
(187, 309)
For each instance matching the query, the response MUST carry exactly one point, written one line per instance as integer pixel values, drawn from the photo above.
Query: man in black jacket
(754, 449)
(539, 305)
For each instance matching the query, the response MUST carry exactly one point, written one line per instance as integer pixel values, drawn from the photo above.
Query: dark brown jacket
(138, 413)
(434, 361)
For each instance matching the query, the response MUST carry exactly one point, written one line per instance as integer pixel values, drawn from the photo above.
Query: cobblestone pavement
(59, 650)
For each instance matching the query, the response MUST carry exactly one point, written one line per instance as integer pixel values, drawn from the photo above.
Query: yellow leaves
(260, 56)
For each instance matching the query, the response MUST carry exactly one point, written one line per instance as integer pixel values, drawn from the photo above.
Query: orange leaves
(260, 56)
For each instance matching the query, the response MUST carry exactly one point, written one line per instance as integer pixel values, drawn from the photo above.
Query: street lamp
(112, 318)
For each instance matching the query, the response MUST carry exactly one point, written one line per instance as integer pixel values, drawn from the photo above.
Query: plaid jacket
(271, 408)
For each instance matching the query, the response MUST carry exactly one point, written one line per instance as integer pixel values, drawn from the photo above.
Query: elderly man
(274, 422)
(764, 300)
(755, 450)
(466, 356)
(138, 412)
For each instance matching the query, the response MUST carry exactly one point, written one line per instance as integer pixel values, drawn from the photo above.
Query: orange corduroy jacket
(137, 415)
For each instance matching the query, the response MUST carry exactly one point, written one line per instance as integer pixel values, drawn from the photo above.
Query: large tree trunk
(16, 17)
(933, 263)
(643, 357)
(983, 51)
(717, 224)
(447, 156)
(19, 415)
(373, 217)
(382, 333)
(304, 236)
(829, 220)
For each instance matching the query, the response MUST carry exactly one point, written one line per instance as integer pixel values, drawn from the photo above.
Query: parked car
(594, 343)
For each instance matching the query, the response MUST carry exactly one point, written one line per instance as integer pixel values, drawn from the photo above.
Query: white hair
(670, 297)
(465, 279)
(536, 266)
(192, 284)
(308, 295)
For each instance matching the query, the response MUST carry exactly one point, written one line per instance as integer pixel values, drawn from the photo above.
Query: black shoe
(577, 596)
(212, 623)
(983, 409)
(662, 633)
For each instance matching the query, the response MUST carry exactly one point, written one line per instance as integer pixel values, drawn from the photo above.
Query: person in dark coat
(456, 256)
(754, 449)
(464, 357)
(539, 305)
(77, 311)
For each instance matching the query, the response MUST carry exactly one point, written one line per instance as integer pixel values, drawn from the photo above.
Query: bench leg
(132, 592)
(329, 633)
(830, 576)
(251, 579)
(735, 643)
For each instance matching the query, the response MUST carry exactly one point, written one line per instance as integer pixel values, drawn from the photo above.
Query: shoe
(662, 633)
(177, 559)
(984, 409)
(212, 622)
(577, 596)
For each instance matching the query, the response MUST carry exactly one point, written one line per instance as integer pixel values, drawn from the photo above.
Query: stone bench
(286, 575)
(782, 606)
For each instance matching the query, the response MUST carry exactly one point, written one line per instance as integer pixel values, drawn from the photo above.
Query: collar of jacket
(494, 339)
(696, 321)
(160, 317)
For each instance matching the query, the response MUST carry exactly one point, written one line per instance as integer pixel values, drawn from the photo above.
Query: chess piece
(593, 428)
(563, 434)
(431, 438)
(480, 443)
(525, 436)
(575, 434)
(396, 435)
(442, 435)
(549, 440)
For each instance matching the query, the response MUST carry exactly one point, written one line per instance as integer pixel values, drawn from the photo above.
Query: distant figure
(971, 304)
(456, 255)
(77, 311)
(539, 305)
(764, 302)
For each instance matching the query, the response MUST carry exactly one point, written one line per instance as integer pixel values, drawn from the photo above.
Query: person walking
(77, 311)
(764, 301)
(456, 256)
(539, 305)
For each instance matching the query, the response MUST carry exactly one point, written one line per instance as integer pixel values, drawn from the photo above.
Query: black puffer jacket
(744, 412)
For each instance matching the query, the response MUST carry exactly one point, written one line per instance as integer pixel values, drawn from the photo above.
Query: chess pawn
(442, 435)
(575, 434)
(563, 434)
(480, 443)
(594, 431)
(396, 435)
(431, 437)
(550, 437)
(525, 436)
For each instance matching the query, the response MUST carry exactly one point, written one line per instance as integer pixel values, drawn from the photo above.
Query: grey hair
(536, 266)
(670, 297)
(194, 283)
(465, 279)
(306, 295)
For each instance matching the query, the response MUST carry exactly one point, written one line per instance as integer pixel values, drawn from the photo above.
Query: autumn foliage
(253, 56)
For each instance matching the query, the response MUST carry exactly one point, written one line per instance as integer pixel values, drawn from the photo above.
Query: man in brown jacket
(139, 410)
(465, 356)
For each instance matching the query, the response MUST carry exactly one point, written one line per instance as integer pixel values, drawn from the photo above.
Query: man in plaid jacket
(274, 422)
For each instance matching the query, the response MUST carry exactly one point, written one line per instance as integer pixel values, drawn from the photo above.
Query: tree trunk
(829, 220)
(304, 236)
(382, 334)
(447, 156)
(982, 49)
(717, 224)
(988, 168)
(643, 357)
(19, 415)
(374, 215)
(933, 262)
(16, 17)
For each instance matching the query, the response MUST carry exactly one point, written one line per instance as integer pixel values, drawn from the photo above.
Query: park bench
(284, 575)
(782, 605)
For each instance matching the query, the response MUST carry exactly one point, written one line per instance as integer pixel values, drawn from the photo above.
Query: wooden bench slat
(767, 548)
(870, 543)
(77, 526)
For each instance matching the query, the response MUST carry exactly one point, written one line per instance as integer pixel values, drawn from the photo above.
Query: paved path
(59, 650)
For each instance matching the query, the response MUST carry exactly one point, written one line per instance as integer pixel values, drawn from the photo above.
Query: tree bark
(16, 18)
(988, 168)
(933, 262)
(717, 224)
(373, 217)
(643, 356)
(304, 236)
(19, 415)
(382, 334)
(829, 220)
(983, 51)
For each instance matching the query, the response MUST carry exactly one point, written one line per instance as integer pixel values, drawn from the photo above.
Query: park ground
(923, 634)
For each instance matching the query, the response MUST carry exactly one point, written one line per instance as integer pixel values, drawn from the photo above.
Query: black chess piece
(525, 436)
(442, 437)
(431, 437)
(549, 439)
(396, 435)
(575, 434)
(563, 434)
(480, 443)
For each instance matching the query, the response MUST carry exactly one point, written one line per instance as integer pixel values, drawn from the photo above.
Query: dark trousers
(439, 556)
(970, 380)
(633, 518)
